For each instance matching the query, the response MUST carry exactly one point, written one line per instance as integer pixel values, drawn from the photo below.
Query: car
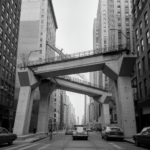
(112, 133)
(69, 132)
(143, 137)
(89, 129)
(6, 136)
(80, 132)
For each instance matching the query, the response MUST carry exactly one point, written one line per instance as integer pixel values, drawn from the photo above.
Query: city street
(64, 142)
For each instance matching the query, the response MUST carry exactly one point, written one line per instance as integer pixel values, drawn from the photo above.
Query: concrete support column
(46, 88)
(105, 115)
(23, 113)
(125, 106)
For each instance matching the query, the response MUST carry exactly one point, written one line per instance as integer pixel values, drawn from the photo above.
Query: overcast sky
(75, 33)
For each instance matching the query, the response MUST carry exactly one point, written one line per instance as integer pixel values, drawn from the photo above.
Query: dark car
(143, 137)
(69, 132)
(112, 133)
(80, 132)
(6, 136)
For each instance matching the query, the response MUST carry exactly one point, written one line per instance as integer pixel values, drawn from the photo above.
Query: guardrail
(83, 82)
(101, 51)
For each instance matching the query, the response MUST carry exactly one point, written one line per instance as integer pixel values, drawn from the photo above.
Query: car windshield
(115, 129)
(79, 129)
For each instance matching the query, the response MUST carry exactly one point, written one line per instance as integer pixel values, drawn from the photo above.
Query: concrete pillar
(125, 105)
(105, 115)
(23, 113)
(46, 88)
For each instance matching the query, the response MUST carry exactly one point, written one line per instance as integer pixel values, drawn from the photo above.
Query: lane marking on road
(17, 146)
(118, 147)
(44, 147)
(28, 146)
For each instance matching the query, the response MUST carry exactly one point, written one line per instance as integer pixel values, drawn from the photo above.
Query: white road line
(17, 146)
(118, 147)
(28, 146)
(44, 147)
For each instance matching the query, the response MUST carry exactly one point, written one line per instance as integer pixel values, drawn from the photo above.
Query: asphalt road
(61, 141)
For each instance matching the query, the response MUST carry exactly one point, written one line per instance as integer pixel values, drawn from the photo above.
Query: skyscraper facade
(141, 78)
(9, 31)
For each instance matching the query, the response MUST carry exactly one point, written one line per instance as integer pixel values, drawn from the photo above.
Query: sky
(75, 20)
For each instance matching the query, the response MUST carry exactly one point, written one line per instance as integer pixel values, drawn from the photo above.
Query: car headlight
(74, 133)
(85, 133)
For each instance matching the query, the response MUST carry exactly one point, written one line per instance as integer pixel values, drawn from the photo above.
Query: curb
(40, 139)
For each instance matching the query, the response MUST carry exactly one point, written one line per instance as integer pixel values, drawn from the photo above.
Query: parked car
(143, 137)
(6, 136)
(89, 130)
(69, 132)
(80, 132)
(112, 133)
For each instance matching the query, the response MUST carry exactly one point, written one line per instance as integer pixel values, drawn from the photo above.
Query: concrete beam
(73, 66)
(79, 88)
(126, 64)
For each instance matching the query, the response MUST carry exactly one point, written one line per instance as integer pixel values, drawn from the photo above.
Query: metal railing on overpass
(112, 50)
(83, 82)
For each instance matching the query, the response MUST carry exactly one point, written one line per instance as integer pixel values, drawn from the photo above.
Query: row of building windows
(138, 8)
(141, 48)
(6, 74)
(143, 65)
(143, 91)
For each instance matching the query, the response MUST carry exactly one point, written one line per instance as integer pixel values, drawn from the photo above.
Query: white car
(80, 132)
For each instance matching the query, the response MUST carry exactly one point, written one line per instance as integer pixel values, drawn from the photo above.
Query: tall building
(141, 80)
(120, 32)
(120, 28)
(37, 28)
(9, 31)
(100, 41)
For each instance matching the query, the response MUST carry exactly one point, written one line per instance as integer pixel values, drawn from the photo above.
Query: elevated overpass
(116, 63)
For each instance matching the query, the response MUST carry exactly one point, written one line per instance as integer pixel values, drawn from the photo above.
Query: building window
(140, 89)
(139, 68)
(2, 19)
(138, 50)
(137, 34)
(0, 43)
(145, 87)
(146, 19)
(1, 31)
(149, 59)
(140, 26)
(3, 8)
(142, 45)
(148, 37)
(143, 63)
(4, 59)
(139, 5)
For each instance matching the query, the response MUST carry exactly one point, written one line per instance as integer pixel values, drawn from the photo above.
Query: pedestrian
(50, 134)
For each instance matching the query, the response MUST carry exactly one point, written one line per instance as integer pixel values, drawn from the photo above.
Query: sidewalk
(30, 138)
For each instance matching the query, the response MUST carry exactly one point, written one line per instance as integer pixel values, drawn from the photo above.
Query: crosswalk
(28, 146)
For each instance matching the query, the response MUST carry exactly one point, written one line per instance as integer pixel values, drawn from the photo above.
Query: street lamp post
(32, 52)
